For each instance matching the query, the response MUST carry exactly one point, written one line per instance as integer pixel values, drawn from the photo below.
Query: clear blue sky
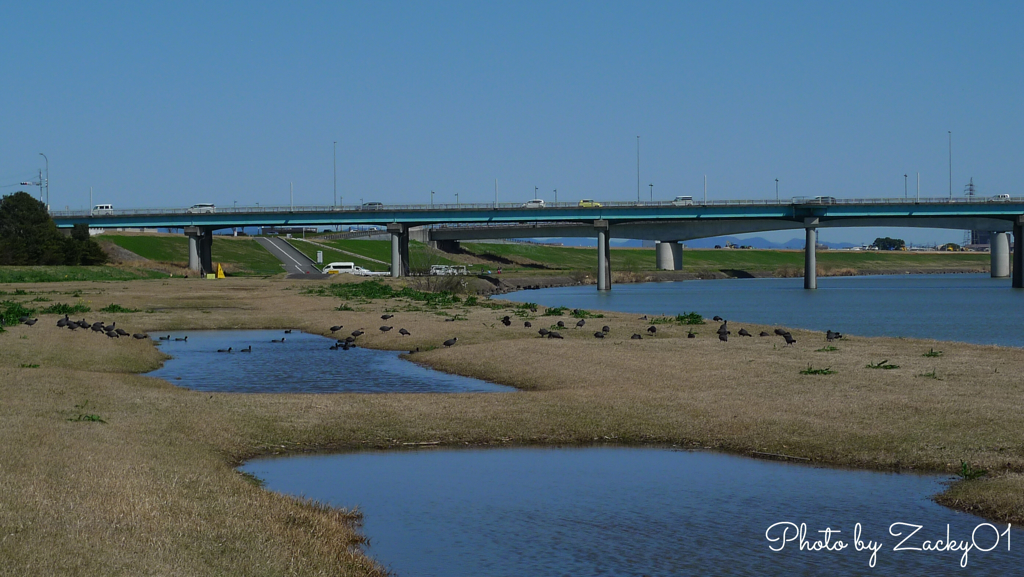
(168, 104)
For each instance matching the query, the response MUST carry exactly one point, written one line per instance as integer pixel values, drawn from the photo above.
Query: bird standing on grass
(403, 332)
(450, 341)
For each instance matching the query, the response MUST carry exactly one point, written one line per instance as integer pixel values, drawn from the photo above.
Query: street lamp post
(431, 199)
(556, 196)
(776, 191)
(905, 187)
(47, 181)
(535, 189)
(638, 169)
(456, 200)
(950, 164)
(335, 173)
(652, 191)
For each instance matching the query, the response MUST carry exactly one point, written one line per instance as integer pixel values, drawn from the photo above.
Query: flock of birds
(110, 330)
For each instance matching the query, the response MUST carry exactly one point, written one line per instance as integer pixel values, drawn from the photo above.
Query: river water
(971, 308)
(631, 511)
(303, 363)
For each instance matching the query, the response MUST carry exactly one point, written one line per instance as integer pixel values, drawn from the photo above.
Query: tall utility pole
(904, 186)
(652, 191)
(776, 191)
(950, 164)
(556, 196)
(638, 169)
(705, 189)
(291, 196)
(919, 187)
(495, 193)
(47, 180)
(335, 173)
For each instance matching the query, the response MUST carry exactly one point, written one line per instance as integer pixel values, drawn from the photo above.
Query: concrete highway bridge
(664, 222)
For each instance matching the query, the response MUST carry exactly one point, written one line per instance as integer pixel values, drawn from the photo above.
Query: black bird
(113, 335)
(606, 329)
(336, 328)
(780, 332)
(333, 347)
(765, 334)
(789, 339)
(247, 349)
(72, 326)
(140, 336)
(22, 319)
(82, 324)
(506, 318)
(227, 350)
(554, 335)
(280, 340)
(652, 329)
(724, 337)
(385, 329)
(598, 335)
(181, 339)
(31, 322)
(62, 322)
(560, 324)
(636, 337)
(350, 340)
(581, 323)
(744, 333)
(97, 328)
(167, 338)
(690, 335)
(356, 333)
(716, 318)
(288, 332)
(385, 317)
(403, 332)
(450, 341)
(831, 335)
(122, 332)
(505, 321)
(449, 319)
(543, 332)
(528, 325)
(724, 327)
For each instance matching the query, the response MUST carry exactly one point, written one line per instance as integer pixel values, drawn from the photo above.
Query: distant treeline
(29, 237)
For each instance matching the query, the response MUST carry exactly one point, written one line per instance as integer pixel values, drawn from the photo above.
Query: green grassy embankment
(420, 256)
(242, 256)
(23, 274)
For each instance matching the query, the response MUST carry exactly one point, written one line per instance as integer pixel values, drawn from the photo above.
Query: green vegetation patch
(64, 309)
(932, 353)
(116, 308)
(372, 290)
(246, 255)
(883, 365)
(26, 274)
(682, 319)
(813, 371)
(11, 311)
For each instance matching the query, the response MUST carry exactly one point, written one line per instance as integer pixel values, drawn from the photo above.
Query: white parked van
(103, 209)
(682, 201)
(1001, 198)
(349, 268)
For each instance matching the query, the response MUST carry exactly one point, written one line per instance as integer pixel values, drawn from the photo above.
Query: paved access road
(295, 263)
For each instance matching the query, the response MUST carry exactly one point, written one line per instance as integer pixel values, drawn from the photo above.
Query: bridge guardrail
(518, 206)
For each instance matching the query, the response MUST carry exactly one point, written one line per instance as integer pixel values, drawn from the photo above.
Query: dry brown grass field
(153, 489)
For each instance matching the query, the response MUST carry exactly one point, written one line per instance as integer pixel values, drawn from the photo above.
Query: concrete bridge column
(810, 255)
(206, 250)
(604, 263)
(999, 250)
(1018, 253)
(669, 255)
(399, 249)
(193, 233)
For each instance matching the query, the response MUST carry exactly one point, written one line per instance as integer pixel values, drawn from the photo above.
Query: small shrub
(11, 311)
(812, 371)
(472, 301)
(116, 308)
(969, 473)
(29, 366)
(882, 365)
(930, 375)
(555, 311)
(41, 300)
(527, 306)
(683, 319)
(582, 314)
(344, 307)
(932, 353)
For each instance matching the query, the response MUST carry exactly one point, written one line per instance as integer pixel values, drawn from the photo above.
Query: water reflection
(303, 363)
(622, 511)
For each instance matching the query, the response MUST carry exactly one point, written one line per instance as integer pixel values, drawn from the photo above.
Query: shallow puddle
(303, 363)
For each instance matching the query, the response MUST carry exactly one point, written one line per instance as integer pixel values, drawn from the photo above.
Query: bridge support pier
(193, 233)
(810, 255)
(668, 255)
(999, 250)
(604, 263)
(399, 249)
(206, 250)
(1018, 253)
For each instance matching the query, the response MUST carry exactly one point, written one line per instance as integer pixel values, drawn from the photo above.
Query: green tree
(889, 243)
(28, 236)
